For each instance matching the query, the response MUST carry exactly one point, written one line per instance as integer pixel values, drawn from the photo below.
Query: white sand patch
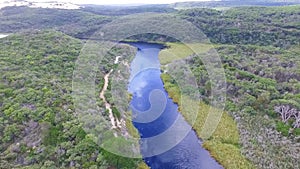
(56, 5)
(117, 59)
(33, 4)
(3, 36)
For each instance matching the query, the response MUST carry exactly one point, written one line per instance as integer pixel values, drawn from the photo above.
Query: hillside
(225, 4)
(259, 48)
(261, 63)
(76, 23)
(38, 125)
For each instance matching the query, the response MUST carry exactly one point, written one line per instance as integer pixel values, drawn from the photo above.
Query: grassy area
(135, 134)
(176, 51)
(224, 144)
(131, 129)
(142, 165)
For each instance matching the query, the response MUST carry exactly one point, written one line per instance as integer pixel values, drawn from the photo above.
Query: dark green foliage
(277, 26)
(36, 108)
(283, 128)
(116, 113)
(119, 161)
(52, 137)
(232, 3)
(297, 131)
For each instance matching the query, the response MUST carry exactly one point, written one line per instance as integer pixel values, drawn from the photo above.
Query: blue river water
(158, 121)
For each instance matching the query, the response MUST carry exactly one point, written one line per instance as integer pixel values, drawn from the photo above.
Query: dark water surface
(158, 121)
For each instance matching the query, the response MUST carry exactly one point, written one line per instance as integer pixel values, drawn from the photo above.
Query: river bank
(115, 122)
(224, 144)
(120, 123)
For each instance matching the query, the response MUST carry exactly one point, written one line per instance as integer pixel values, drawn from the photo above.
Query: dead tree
(286, 112)
(297, 120)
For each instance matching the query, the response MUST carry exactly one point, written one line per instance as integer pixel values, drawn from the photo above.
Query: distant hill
(76, 23)
(233, 3)
(126, 10)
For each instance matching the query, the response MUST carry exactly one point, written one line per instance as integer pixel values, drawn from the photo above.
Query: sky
(113, 2)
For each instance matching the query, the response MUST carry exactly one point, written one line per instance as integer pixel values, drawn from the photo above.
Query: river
(155, 114)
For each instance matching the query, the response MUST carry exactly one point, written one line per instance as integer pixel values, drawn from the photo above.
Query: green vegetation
(131, 129)
(224, 144)
(127, 10)
(258, 46)
(264, 26)
(177, 51)
(259, 79)
(76, 23)
(231, 3)
(38, 126)
(259, 51)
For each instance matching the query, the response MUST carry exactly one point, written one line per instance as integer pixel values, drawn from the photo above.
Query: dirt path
(107, 105)
(114, 122)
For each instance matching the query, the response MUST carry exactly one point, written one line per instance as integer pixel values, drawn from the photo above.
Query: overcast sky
(106, 2)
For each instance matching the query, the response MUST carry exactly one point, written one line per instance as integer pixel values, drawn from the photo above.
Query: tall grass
(176, 51)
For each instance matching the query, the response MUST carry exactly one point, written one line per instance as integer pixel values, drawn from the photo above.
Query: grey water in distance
(144, 81)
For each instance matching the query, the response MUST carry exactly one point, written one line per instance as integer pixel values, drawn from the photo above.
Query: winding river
(154, 113)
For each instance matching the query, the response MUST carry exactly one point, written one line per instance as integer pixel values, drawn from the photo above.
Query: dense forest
(259, 48)
(232, 3)
(261, 66)
(274, 26)
(261, 96)
(38, 124)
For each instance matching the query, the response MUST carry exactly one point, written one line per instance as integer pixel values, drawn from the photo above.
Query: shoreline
(209, 144)
(224, 148)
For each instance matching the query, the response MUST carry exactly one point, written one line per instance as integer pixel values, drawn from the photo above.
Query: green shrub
(283, 128)
(297, 131)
